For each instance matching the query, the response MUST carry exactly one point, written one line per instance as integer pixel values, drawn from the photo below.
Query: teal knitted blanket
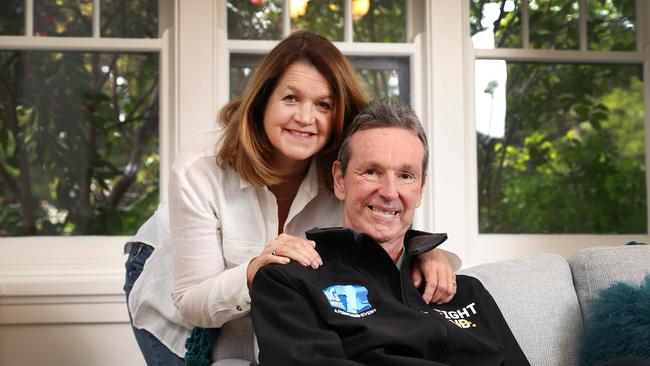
(199, 346)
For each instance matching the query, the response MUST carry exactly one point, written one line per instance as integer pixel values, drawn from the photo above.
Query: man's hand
(440, 280)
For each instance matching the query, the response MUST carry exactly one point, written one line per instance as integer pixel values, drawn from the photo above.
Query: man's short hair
(385, 113)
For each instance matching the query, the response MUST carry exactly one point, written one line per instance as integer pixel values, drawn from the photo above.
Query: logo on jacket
(461, 317)
(351, 300)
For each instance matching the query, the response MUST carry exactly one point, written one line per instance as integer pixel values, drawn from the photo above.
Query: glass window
(322, 17)
(560, 145)
(255, 19)
(554, 24)
(382, 77)
(129, 19)
(495, 23)
(379, 20)
(560, 148)
(611, 25)
(78, 142)
(71, 18)
(12, 18)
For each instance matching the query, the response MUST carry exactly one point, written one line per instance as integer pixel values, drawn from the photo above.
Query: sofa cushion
(537, 298)
(596, 268)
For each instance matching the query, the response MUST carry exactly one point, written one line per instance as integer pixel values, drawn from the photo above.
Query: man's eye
(370, 173)
(407, 176)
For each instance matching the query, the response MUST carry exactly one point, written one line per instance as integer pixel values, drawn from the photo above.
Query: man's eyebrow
(409, 167)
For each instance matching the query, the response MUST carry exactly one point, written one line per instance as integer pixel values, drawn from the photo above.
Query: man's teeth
(388, 213)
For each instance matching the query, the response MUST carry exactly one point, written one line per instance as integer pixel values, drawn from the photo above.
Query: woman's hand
(440, 280)
(282, 250)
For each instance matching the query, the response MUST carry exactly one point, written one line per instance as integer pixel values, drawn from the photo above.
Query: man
(361, 306)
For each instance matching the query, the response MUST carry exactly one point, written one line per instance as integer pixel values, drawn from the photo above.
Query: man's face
(382, 185)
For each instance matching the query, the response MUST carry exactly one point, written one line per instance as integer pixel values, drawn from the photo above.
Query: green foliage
(384, 22)
(506, 28)
(12, 18)
(322, 17)
(611, 25)
(127, 19)
(63, 18)
(554, 24)
(572, 158)
(255, 19)
(79, 140)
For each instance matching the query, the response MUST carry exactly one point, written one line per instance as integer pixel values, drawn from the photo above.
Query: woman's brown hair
(245, 145)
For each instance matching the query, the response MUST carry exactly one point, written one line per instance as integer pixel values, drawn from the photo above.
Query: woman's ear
(337, 175)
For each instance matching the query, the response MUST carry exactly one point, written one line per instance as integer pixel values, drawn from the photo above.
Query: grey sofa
(544, 298)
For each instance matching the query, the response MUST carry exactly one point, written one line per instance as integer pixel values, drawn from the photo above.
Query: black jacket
(359, 309)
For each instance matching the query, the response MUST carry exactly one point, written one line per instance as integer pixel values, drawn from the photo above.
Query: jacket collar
(415, 241)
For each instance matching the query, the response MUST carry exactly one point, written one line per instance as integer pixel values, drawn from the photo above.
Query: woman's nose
(305, 114)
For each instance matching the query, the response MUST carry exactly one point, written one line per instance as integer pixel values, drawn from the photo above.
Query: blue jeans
(154, 352)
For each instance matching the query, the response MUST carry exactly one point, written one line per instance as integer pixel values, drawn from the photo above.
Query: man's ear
(420, 194)
(337, 175)
(424, 179)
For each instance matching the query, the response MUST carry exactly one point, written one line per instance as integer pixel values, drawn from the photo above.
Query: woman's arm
(205, 292)
(435, 270)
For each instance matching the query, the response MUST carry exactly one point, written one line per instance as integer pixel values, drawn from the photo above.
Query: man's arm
(289, 329)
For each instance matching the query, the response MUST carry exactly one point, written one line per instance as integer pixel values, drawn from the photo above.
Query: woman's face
(298, 115)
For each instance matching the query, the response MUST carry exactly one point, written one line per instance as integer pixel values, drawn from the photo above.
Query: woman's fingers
(295, 248)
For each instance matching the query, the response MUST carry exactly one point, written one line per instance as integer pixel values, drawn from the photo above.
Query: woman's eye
(324, 105)
(290, 98)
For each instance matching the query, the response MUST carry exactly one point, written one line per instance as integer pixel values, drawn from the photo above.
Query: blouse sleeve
(205, 292)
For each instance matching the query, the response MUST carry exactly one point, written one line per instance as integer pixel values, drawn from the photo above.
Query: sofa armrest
(537, 299)
(596, 268)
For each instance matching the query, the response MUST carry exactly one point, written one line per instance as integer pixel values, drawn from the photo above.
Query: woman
(243, 198)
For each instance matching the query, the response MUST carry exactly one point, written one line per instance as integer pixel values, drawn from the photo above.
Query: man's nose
(388, 188)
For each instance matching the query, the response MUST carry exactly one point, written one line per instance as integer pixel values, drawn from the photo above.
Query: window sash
(163, 45)
(484, 247)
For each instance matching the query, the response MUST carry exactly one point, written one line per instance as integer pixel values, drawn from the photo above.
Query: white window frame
(492, 247)
(84, 273)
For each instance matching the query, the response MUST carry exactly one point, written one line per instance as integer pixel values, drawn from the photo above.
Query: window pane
(612, 25)
(72, 18)
(495, 23)
(255, 19)
(78, 142)
(12, 18)
(322, 17)
(560, 148)
(382, 77)
(554, 24)
(238, 79)
(129, 18)
(379, 20)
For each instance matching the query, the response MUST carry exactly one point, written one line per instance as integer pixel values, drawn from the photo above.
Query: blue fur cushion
(618, 325)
